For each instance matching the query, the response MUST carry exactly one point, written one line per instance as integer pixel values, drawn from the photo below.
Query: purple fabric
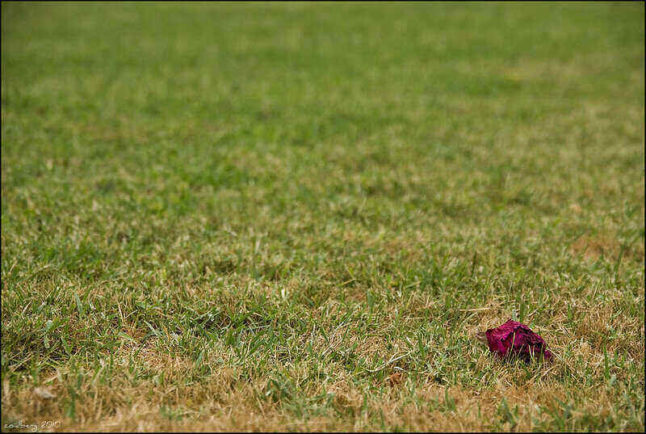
(514, 338)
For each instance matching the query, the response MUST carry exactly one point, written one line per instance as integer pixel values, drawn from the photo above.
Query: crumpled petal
(514, 338)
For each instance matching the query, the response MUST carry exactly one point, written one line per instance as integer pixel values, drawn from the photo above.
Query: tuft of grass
(256, 216)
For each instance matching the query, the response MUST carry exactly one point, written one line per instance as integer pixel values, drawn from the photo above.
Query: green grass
(221, 217)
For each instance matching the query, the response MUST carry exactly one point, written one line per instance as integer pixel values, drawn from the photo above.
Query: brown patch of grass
(216, 406)
(603, 245)
(592, 248)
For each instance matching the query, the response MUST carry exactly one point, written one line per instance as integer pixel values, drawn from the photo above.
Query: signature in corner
(31, 427)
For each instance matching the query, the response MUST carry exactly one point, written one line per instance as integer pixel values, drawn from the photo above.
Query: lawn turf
(251, 216)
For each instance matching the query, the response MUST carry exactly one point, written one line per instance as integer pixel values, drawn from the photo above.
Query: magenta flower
(514, 338)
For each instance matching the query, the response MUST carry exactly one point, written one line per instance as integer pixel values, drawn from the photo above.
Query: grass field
(298, 216)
